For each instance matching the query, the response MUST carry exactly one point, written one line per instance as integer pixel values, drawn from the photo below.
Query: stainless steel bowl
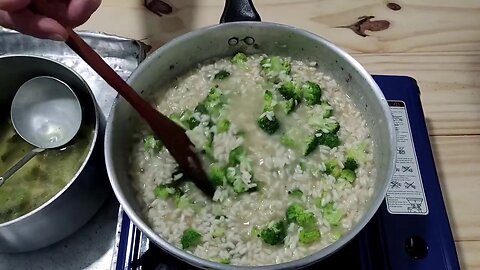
(80, 199)
(221, 40)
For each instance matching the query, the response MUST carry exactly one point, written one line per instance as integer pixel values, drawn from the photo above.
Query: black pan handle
(239, 10)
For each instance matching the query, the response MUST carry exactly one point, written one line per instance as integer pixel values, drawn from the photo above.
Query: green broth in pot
(43, 176)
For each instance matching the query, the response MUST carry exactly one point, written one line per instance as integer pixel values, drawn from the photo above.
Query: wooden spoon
(171, 134)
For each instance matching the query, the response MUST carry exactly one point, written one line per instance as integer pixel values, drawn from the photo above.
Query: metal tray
(94, 246)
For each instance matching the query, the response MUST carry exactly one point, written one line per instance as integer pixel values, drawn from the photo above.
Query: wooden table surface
(435, 41)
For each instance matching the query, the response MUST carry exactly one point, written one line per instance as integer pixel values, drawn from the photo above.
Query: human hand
(46, 18)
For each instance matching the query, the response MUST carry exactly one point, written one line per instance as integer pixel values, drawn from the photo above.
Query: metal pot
(80, 199)
(250, 36)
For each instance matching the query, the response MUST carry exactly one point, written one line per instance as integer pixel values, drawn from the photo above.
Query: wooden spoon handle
(171, 134)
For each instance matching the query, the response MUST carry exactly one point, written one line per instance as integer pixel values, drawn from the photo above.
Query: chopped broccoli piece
(201, 108)
(183, 202)
(308, 236)
(175, 117)
(348, 175)
(287, 141)
(269, 125)
(288, 105)
(358, 154)
(318, 202)
(224, 260)
(163, 191)
(190, 238)
(189, 120)
(336, 235)
(268, 102)
(239, 186)
(237, 155)
(273, 66)
(218, 232)
(152, 145)
(293, 211)
(332, 214)
(239, 58)
(332, 168)
(274, 234)
(297, 193)
(311, 93)
(223, 125)
(296, 213)
(350, 164)
(327, 109)
(255, 231)
(329, 139)
(290, 90)
(216, 174)
(312, 143)
(332, 127)
(231, 175)
(222, 75)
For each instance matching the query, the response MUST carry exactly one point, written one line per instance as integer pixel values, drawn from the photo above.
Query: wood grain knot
(365, 23)
(394, 6)
(158, 7)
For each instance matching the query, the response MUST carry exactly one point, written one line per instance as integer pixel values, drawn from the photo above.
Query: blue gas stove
(410, 231)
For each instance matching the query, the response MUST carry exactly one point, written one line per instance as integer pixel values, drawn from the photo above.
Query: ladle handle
(20, 164)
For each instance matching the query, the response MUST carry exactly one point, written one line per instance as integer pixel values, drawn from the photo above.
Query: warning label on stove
(405, 194)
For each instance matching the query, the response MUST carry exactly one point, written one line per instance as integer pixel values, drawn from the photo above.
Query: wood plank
(458, 159)
(449, 83)
(468, 254)
(419, 26)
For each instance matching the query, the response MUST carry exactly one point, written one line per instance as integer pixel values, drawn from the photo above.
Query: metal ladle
(47, 114)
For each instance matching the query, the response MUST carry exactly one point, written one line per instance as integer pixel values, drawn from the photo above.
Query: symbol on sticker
(401, 150)
(415, 205)
(407, 169)
(395, 184)
(410, 185)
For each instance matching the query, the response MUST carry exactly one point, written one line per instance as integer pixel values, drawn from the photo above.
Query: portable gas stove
(411, 229)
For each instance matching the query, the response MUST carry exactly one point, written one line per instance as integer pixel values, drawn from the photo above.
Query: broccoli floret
(325, 125)
(350, 164)
(358, 154)
(332, 168)
(308, 236)
(201, 108)
(223, 125)
(311, 143)
(176, 117)
(189, 120)
(221, 75)
(152, 145)
(288, 106)
(190, 238)
(329, 139)
(296, 213)
(274, 234)
(287, 141)
(296, 193)
(273, 66)
(239, 186)
(237, 155)
(239, 58)
(348, 175)
(327, 109)
(268, 102)
(268, 122)
(332, 214)
(163, 191)
(224, 260)
(218, 232)
(290, 90)
(216, 174)
(213, 102)
(311, 93)
(183, 202)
